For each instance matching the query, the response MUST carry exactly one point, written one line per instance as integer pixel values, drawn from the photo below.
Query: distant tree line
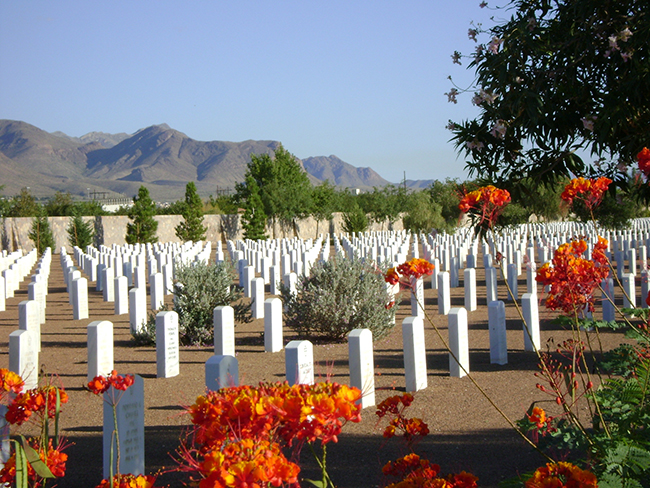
(277, 190)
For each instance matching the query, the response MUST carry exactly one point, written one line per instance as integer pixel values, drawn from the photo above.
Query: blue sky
(363, 80)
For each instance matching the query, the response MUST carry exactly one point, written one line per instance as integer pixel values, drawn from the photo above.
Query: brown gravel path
(466, 432)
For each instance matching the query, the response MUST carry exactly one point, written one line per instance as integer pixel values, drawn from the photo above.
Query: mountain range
(159, 157)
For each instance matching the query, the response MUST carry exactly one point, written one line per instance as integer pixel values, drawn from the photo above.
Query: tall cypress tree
(143, 227)
(80, 233)
(41, 234)
(192, 228)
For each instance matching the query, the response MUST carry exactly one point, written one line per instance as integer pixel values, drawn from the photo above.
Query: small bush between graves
(340, 295)
(198, 289)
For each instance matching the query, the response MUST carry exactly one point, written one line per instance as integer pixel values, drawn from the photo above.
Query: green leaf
(317, 484)
(35, 460)
(22, 478)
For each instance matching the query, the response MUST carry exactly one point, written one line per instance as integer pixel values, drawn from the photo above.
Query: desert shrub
(198, 289)
(340, 295)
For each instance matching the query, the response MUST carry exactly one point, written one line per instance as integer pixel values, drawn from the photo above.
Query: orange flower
(410, 271)
(55, 461)
(590, 191)
(35, 401)
(572, 278)
(101, 384)
(10, 381)
(644, 161)
(538, 416)
(562, 475)
(129, 481)
(484, 206)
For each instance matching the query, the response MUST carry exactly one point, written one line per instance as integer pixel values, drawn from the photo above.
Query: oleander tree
(558, 82)
(191, 228)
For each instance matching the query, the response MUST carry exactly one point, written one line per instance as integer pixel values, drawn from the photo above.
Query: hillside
(158, 156)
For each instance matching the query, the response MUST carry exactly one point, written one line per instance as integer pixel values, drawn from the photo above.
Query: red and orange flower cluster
(35, 401)
(42, 403)
(413, 269)
(411, 428)
(484, 206)
(572, 278)
(240, 430)
(420, 473)
(644, 161)
(562, 475)
(129, 481)
(589, 190)
(101, 384)
(53, 458)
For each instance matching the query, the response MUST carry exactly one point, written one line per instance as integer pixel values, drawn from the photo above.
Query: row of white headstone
(25, 343)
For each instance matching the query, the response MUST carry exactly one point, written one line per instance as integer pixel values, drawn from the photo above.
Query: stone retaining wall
(111, 229)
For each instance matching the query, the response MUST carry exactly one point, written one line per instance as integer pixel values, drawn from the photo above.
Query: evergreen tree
(80, 233)
(41, 234)
(254, 219)
(192, 228)
(143, 227)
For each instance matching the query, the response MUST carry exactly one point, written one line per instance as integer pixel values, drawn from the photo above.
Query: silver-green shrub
(198, 289)
(340, 295)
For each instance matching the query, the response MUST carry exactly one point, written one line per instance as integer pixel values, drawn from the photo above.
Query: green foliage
(423, 214)
(24, 205)
(284, 187)
(143, 226)
(41, 234)
(324, 200)
(615, 211)
(198, 289)
(557, 78)
(446, 195)
(339, 295)
(192, 228)
(80, 233)
(223, 204)
(355, 220)
(60, 205)
(254, 218)
(385, 204)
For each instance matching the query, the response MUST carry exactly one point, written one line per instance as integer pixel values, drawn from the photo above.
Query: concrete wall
(111, 229)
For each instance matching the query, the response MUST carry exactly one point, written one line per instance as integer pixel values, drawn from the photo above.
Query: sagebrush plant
(198, 289)
(340, 295)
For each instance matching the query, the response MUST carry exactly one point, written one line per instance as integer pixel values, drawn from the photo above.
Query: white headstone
(469, 279)
(491, 284)
(167, 354)
(23, 357)
(272, 325)
(458, 342)
(108, 285)
(299, 362)
(221, 372)
(29, 319)
(137, 309)
(121, 285)
(444, 293)
(417, 297)
(157, 291)
(257, 296)
(100, 349)
(530, 311)
(223, 318)
(130, 426)
(80, 298)
(498, 338)
(361, 360)
(415, 356)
